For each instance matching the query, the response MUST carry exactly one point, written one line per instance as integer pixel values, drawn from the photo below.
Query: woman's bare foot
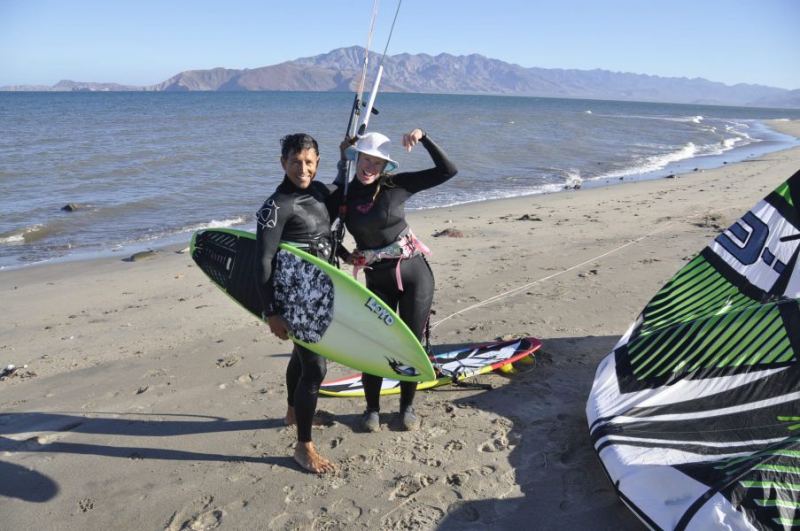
(307, 457)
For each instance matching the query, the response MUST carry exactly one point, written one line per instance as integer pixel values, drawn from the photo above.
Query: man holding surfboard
(296, 212)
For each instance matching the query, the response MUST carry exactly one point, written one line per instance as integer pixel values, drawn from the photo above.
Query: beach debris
(182, 251)
(529, 217)
(141, 255)
(450, 233)
(228, 361)
(670, 176)
(8, 371)
(12, 371)
(86, 504)
(711, 221)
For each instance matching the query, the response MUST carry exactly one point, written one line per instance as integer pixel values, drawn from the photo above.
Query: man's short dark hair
(297, 142)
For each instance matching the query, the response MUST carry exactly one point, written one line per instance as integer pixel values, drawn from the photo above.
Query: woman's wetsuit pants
(413, 304)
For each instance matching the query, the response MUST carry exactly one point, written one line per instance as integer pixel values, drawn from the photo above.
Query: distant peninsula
(338, 70)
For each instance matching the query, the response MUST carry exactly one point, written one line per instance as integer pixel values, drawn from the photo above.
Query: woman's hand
(278, 326)
(411, 139)
(356, 258)
(346, 143)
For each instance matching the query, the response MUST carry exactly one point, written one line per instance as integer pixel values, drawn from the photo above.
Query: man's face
(301, 167)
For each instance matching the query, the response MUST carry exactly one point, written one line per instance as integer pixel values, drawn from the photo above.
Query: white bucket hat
(374, 144)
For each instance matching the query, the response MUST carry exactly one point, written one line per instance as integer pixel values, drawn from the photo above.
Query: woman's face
(369, 168)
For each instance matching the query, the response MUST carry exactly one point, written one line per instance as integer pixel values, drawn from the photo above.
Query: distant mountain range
(339, 69)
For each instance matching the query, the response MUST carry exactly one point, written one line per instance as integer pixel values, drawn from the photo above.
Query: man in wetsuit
(296, 213)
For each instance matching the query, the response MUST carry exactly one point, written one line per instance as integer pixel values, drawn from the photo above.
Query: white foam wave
(216, 224)
(683, 119)
(489, 195)
(169, 233)
(655, 162)
(14, 238)
(729, 143)
(573, 179)
(19, 237)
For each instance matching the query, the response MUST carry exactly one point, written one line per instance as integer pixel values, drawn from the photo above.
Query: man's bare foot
(290, 419)
(307, 457)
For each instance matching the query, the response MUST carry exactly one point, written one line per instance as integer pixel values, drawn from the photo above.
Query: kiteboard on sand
(453, 366)
(327, 310)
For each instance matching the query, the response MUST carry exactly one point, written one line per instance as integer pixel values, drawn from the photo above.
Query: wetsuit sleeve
(271, 219)
(443, 170)
(333, 199)
(341, 173)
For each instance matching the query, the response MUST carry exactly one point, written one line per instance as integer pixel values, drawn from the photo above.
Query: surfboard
(453, 365)
(328, 311)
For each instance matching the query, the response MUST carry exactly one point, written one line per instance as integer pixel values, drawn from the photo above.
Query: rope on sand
(510, 292)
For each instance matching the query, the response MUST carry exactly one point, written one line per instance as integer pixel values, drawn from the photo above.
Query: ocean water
(151, 168)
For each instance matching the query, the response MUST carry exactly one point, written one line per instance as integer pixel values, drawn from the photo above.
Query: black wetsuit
(376, 218)
(299, 216)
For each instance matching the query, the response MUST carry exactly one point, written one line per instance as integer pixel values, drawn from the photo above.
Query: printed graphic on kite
(695, 414)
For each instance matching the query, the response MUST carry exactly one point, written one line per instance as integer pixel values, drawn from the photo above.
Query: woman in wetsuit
(393, 258)
(297, 213)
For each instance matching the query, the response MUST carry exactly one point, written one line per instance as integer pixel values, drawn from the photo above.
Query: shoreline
(151, 401)
(678, 169)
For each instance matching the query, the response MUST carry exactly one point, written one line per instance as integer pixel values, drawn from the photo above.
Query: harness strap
(405, 247)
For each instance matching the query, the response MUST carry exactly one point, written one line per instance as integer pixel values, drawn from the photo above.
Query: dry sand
(150, 401)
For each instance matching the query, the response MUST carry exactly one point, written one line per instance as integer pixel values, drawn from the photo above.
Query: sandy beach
(151, 401)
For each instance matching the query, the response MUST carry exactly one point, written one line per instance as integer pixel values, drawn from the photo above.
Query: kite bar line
(352, 124)
(510, 292)
(371, 102)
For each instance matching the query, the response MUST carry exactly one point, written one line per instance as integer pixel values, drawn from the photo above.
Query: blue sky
(147, 41)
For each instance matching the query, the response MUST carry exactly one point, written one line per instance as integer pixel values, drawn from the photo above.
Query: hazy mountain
(73, 86)
(339, 70)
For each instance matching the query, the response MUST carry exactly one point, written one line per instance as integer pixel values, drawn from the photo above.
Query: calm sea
(151, 168)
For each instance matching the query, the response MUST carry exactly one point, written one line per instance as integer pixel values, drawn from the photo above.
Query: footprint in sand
(417, 517)
(568, 456)
(458, 480)
(86, 504)
(455, 446)
(497, 443)
(288, 521)
(406, 486)
(201, 522)
(197, 516)
(462, 511)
